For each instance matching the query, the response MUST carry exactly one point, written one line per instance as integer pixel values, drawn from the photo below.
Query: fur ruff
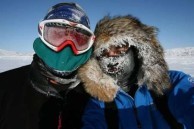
(153, 71)
(97, 84)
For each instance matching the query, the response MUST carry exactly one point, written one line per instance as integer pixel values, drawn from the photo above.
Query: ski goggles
(58, 33)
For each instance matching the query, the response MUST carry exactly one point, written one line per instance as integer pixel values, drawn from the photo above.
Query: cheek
(129, 63)
(122, 62)
(104, 62)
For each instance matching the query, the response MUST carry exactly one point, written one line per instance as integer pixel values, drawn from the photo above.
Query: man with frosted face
(129, 80)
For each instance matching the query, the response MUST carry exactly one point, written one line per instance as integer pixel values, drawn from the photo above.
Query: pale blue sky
(174, 18)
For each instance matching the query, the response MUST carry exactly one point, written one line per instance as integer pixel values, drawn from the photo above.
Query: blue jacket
(180, 103)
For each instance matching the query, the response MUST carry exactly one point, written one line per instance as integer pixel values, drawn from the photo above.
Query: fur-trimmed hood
(152, 71)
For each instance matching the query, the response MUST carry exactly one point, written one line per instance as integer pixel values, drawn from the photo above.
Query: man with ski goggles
(47, 94)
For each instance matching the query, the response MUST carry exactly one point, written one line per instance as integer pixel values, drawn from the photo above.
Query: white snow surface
(10, 60)
(181, 59)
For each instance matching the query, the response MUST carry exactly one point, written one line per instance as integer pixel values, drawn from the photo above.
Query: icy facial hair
(124, 65)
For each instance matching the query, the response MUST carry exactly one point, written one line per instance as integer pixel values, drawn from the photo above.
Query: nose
(112, 53)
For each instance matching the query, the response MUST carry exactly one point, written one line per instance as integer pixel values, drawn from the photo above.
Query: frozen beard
(119, 67)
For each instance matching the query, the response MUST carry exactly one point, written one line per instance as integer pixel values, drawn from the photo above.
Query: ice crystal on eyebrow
(115, 41)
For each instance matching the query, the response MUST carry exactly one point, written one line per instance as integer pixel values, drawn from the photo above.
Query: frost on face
(118, 66)
(117, 41)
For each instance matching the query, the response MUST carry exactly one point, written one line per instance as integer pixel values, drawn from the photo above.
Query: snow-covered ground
(185, 64)
(177, 59)
(11, 62)
(181, 59)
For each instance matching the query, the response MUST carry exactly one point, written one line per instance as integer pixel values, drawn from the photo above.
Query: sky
(174, 18)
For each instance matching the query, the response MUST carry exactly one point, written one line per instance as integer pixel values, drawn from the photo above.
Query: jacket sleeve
(181, 98)
(93, 117)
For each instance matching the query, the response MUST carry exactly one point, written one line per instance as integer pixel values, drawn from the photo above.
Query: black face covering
(44, 81)
(119, 67)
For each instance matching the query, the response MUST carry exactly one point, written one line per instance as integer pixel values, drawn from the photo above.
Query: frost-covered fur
(97, 83)
(121, 30)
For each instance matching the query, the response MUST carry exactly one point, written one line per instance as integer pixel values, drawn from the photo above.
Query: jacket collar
(47, 83)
